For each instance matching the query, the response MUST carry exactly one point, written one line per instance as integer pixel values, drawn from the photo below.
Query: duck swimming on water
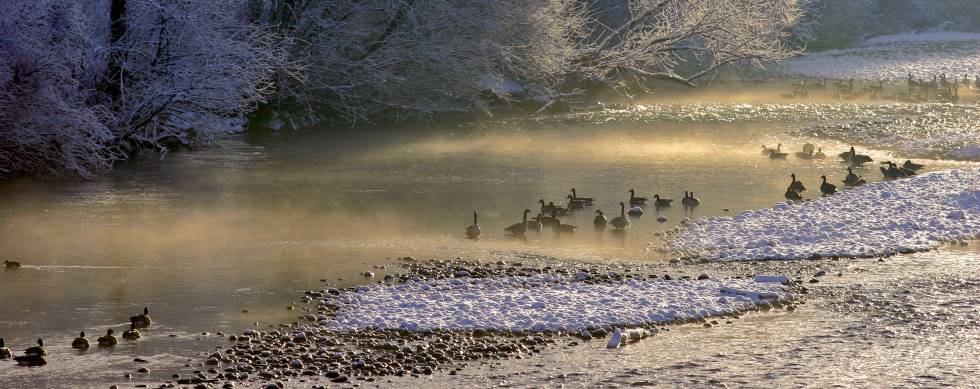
(11, 264)
(4, 351)
(108, 340)
(33, 356)
(36, 350)
(132, 333)
(142, 321)
(81, 342)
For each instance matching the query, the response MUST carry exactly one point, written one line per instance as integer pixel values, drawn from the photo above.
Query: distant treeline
(87, 83)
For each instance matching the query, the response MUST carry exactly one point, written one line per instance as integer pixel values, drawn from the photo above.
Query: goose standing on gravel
(587, 200)
(852, 179)
(827, 188)
(81, 342)
(4, 351)
(912, 166)
(108, 340)
(474, 230)
(819, 154)
(778, 153)
(519, 229)
(142, 321)
(600, 220)
(794, 184)
(564, 228)
(634, 201)
(661, 203)
(690, 201)
(620, 222)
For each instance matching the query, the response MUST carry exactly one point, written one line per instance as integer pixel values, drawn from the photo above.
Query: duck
(819, 154)
(142, 321)
(635, 212)
(661, 203)
(600, 220)
(132, 333)
(574, 203)
(518, 229)
(912, 166)
(853, 179)
(796, 185)
(564, 228)
(31, 360)
(690, 201)
(11, 264)
(636, 200)
(793, 195)
(587, 200)
(36, 350)
(827, 188)
(474, 230)
(894, 171)
(81, 342)
(778, 153)
(4, 351)
(620, 222)
(108, 340)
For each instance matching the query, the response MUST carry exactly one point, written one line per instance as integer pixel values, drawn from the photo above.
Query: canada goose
(546, 220)
(636, 200)
(690, 201)
(860, 159)
(519, 228)
(793, 195)
(827, 188)
(846, 156)
(912, 166)
(620, 222)
(132, 333)
(905, 171)
(778, 153)
(853, 179)
(546, 208)
(108, 340)
(564, 228)
(661, 203)
(11, 264)
(600, 220)
(587, 200)
(574, 203)
(31, 360)
(36, 350)
(534, 223)
(635, 212)
(766, 150)
(819, 154)
(473, 231)
(794, 184)
(142, 321)
(557, 210)
(81, 342)
(807, 152)
(4, 351)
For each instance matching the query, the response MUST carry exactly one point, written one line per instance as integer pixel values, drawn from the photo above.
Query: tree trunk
(117, 30)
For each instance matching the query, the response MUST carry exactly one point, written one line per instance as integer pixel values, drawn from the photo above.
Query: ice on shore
(545, 303)
(892, 57)
(882, 218)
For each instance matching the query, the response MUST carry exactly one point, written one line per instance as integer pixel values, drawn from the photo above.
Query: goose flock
(549, 214)
(34, 355)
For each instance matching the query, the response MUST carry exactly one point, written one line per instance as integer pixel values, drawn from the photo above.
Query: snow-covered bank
(892, 57)
(882, 218)
(545, 302)
(937, 131)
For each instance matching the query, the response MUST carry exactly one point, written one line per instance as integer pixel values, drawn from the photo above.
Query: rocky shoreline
(309, 352)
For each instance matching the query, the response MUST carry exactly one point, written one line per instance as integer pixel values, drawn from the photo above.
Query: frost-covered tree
(85, 84)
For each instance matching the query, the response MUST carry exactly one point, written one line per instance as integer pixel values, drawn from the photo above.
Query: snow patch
(544, 303)
(882, 218)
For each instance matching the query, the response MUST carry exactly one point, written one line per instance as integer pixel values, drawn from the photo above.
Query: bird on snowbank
(473, 231)
(852, 179)
(827, 188)
(912, 166)
(620, 222)
(795, 184)
(518, 229)
(793, 195)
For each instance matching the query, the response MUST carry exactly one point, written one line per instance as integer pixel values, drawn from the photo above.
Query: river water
(201, 237)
